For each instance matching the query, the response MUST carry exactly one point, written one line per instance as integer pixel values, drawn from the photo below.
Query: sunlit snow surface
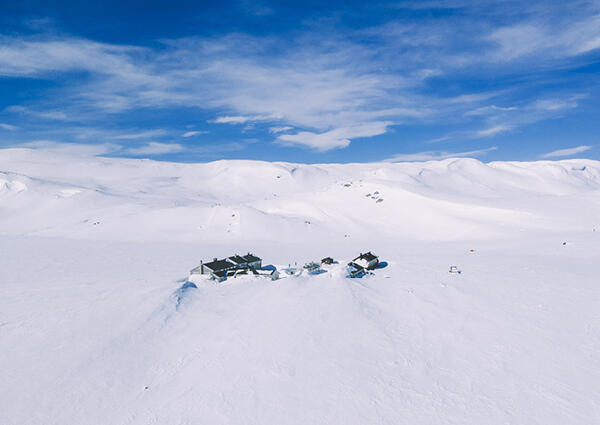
(98, 324)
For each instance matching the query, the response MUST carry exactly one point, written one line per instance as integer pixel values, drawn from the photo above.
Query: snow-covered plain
(96, 326)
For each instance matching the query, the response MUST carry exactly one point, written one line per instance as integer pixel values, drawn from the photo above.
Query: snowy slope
(97, 326)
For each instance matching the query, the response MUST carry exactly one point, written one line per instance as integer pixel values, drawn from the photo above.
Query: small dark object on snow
(564, 243)
(454, 269)
(327, 260)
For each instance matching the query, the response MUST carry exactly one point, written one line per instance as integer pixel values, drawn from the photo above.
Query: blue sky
(302, 81)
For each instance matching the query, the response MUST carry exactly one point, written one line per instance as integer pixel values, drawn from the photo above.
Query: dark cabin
(253, 261)
(367, 261)
(216, 266)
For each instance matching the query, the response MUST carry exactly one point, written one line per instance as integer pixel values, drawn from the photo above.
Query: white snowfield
(97, 325)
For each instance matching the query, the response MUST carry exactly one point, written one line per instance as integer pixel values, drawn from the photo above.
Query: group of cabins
(235, 265)
(231, 266)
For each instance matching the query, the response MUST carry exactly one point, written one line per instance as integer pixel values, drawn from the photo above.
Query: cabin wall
(255, 264)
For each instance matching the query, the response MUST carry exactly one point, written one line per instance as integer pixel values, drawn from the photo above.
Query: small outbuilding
(355, 270)
(312, 267)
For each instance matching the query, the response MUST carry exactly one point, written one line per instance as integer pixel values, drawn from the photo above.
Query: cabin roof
(251, 258)
(219, 265)
(237, 259)
(369, 256)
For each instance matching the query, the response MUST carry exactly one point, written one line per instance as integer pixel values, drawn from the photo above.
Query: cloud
(155, 148)
(438, 155)
(500, 120)
(281, 129)
(556, 104)
(333, 139)
(492, 131)
(243, 120)
(34, 56)
(193, 133)
(142, 134)
(566, 152)
(231, 120)
(440, 139)
(328, 85)
(9, 127)
(312, 84)
(48, 114)
(547, 40)
(77, 149)
(491, 109)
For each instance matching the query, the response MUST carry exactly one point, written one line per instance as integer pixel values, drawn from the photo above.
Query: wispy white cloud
(492, 131)
(155, 148)
(245, 119)
(439, 139)
(45, 114)
(280, 129)
(333, 139)
(566, 152)
(9, 127)
(194, 133)
(547, 40)
(142, 134)
(503, 119)
(491, 109)
(438, 155)
(552, 105)
(231, 120)
(35, 56)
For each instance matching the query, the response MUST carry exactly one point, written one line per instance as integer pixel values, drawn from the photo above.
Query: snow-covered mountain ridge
(123, 199)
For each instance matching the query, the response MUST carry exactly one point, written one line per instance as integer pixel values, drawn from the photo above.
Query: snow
(98, 324)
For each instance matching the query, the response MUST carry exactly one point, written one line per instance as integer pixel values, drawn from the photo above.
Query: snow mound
(7, 185)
